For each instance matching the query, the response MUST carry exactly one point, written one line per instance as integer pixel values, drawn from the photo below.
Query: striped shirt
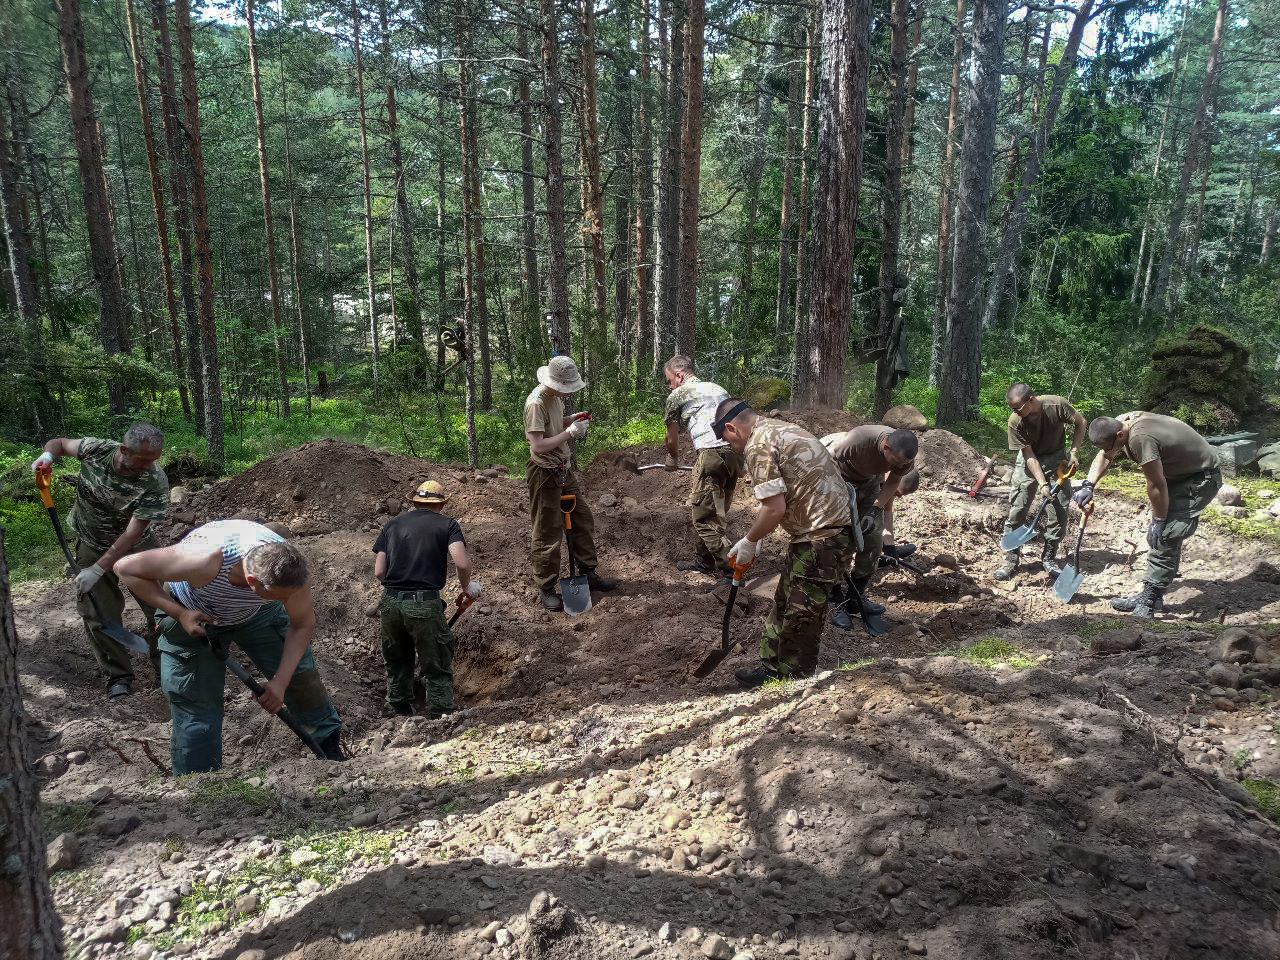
(220, 599)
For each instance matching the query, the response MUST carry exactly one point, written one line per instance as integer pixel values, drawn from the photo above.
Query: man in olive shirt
(1182, 479)
(120, 493)
(1037, 431)
(799, 489)
(872, 460)
(549, 476)
(692, 404)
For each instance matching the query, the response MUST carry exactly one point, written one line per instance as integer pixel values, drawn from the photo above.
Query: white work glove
(744, 551)
(474, 589)
(88, 578)
(44, 462)
(578, 429)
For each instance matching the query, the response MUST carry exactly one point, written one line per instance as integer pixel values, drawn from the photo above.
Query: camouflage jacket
(787, 459)
(693, 404)
(107, 500)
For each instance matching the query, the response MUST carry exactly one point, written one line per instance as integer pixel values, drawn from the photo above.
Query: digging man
(550, 476)
(1182, 476)
(121, 492)
(799, 489)
(1037, 430)
(872, 460)
(692, 404)
(232, 581)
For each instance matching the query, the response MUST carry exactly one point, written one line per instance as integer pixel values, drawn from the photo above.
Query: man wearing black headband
(799, 489)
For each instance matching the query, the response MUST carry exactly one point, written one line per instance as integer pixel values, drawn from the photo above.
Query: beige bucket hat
(561, 375)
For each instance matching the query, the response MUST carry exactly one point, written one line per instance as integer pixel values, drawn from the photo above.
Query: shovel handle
(284, 716)
(464, 601)
(572, 500)
(44, 483)
(739, 569)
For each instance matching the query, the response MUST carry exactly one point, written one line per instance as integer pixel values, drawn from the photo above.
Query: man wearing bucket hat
(549, 477)
(411, 558)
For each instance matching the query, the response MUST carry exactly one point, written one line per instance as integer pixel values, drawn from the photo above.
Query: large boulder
(767, 393)
(1202, 377)
(905, 417)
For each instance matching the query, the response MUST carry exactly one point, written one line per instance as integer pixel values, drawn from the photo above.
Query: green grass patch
(1267, 795)
(990, 652)
(777, 683)
(65, 817)
(857, 664)
(219, 793)
(447, 808)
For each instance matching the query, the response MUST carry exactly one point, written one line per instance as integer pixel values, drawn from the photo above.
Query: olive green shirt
(1046, 432)
(784, 458)
(1180, 450)
(106, 500)
(860, 457)
(544, 413)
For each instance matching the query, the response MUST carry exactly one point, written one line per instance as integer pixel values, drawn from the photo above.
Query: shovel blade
(1016, 538)
(127, 639)
(1068, 583)
(712, 660)
(576, 594)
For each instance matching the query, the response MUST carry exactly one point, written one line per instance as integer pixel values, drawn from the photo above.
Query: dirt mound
(945, 458)
(820, 420)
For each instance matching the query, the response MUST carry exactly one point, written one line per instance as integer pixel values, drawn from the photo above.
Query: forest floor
(999, 776)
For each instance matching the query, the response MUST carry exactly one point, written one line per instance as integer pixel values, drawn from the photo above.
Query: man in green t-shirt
(120, 493)
(1182, 479)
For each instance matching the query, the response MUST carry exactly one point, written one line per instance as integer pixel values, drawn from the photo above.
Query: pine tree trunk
(1178, 206)
(103, 256)
(528, 222)
(1192, 258)
(621, 187)
(1269, 238)
(469, 267)
(442, 288)
(295, 243)
(945, 203)
(32, 929)
(690, 178)
(744, 298)
(671, 37)
(480, 305)
(786, 231)
(558, 268)
(16, 240)
(203, 251)
(846, 40)
(802, 371)
(375, 338)
(179, 200)
(962, 361)
(644, 209)
(592, 191)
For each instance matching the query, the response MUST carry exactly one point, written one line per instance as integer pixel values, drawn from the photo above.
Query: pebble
(715, 948)
(666, 934)
(490, 932)
(304, 857)
(917, 947)
(889, 886)
(64, 852)
(539, 734)
(308, 888)
(254, 954)
(504, 938)
(793, 819)
(489, 882)
(596, 863)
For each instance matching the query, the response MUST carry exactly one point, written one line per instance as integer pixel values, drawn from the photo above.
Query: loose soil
(999, 776)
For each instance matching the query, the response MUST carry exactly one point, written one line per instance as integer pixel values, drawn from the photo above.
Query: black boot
(1150, 598)
(751, 677)
(1010, 567)
(1048, 559)
(551, 600)
(331, 747)
(869, 607)
(900, 550)
(840, 615)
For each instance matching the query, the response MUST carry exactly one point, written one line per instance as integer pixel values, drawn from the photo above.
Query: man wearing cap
(549, 477)
(872, 460)
(411, 559)
(1182, 476)
(692, 404)
(1037, 430)
(799, 489)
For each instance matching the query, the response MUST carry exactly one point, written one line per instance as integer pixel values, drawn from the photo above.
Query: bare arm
(462, 562)
(134, 532)
(1079, 429)
(673, 439)
(772, 510)
(302, 627)
(1032, 464)
(540, 443)
(888, 490)
(61, 447)
(145, 574)
(1157, 489)
(1100, 466)
(380, 565)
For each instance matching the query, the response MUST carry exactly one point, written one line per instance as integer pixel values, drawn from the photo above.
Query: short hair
(727, 404)
(1103, 430)
(904, 443)
(679, 364)
(144, 435)
(278, 564)
(1017, 393)
(910, 482)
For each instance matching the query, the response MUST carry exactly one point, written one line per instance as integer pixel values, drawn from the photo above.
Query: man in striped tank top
(231, 581)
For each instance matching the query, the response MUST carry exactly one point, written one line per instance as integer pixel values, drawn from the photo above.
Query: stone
(308, 888)
(433, 915)
(905, 417)
(596, 863)
(1234, 646)
(889, 886)
(1225, 705)
(1117, 641)
(249, 903)
(304, 857)
(119, 825)
(539, 734)
(54, 765)
(629, 800)
(489, 882)
(1224, 675)
(366, 819)
(666, 934)
(504, 938)
(101, 795)
(947, 561)
(490, 932)
(64, 852)
(525, 817)
(1229, 495)
(77, 757)
(793, 819)
(257, 953)
(916, 947)
(715, 947)
(1236, 456)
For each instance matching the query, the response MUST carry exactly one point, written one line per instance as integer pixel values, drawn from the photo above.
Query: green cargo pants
(793, 632)
(715, 477)
(1022, 500)
(413, 626)
(1188, 498)
(864, 563)
(113, 659)
(192, 677)
(545, 488)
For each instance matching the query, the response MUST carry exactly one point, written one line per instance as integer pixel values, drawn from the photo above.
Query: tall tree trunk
(179, 200)
(372, 292)
(157, 201)
(16, 240)
(897, 140)
(1010, 250)
(1178, 206)
(846, 41)
(557, 261)
(1269, 238)
(644, 208)
(295, 243)
(592, 191)
(203, 251)
(1197, 223)
(690, 178)
(480, 301)
(786, 231)
(962, 362)
(103, 259)
(945, 203)
(268, 224)
(442, 288)
(671, 37)
(744, 298)
(622, 191)
(32, 929)
(803, 372)
(470, 271)
(528, 221)
(127, 315)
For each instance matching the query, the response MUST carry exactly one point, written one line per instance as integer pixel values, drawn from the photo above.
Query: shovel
(1016, 538)
(285, 717)
(659, 466)
(574, 590)
(460, 606)
(715, 657)
(1069, 580)
(126, 638)
(875, 624)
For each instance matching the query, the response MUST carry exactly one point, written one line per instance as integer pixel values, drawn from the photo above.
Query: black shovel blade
(127, 639)
(1068, 583)
(876, 625)
(713, 660)
(576, 594)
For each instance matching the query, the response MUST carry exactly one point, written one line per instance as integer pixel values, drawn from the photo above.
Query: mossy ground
(990, 652)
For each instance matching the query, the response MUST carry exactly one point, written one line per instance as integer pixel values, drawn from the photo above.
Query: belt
(429, 593)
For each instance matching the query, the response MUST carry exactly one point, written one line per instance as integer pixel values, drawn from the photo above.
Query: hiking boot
(869, 607)
(437, 713)
(1048, 560)
(604, 584)
(331, 747)
(696, 566)
(840, 616)
(1144, 604)
(118, 689)
(403, 709)
(900, 550)
(551, 600)
(1010, 567)
(752, 677)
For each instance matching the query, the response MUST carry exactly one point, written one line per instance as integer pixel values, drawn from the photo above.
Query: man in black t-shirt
(412, 560)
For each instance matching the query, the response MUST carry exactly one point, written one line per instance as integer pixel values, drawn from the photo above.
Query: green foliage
(1201, 376)
(990, 652)
(65, 817)
(223, 794)
(767, 393)
(1266, 793)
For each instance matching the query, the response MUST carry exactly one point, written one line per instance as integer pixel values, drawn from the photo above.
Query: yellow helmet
(429, 492)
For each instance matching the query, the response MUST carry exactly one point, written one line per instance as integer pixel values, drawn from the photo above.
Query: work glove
(670, 463)
(1073, 460)
(1085, 494)
(88, 578)
(744, 551)
(578, 429)
(869, 520)
(43, 464)
(474, 589)
(1155, 533)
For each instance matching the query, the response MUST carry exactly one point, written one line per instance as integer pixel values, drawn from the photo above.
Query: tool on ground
(574, 589)
(464, 600)
(889, 560)
(716, 657)
(117, 632)
(983, 475)
(875, 624)
(1025, 533)
(285, 717)
(1069, 580)
(1001, 491)
(660, 466)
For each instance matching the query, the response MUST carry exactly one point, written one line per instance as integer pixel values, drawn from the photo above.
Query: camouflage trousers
(789, 644)
(105, 604)
(1022, 500)
(715, 476)
(1188, 497)
(866, 560)
(414, 628)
